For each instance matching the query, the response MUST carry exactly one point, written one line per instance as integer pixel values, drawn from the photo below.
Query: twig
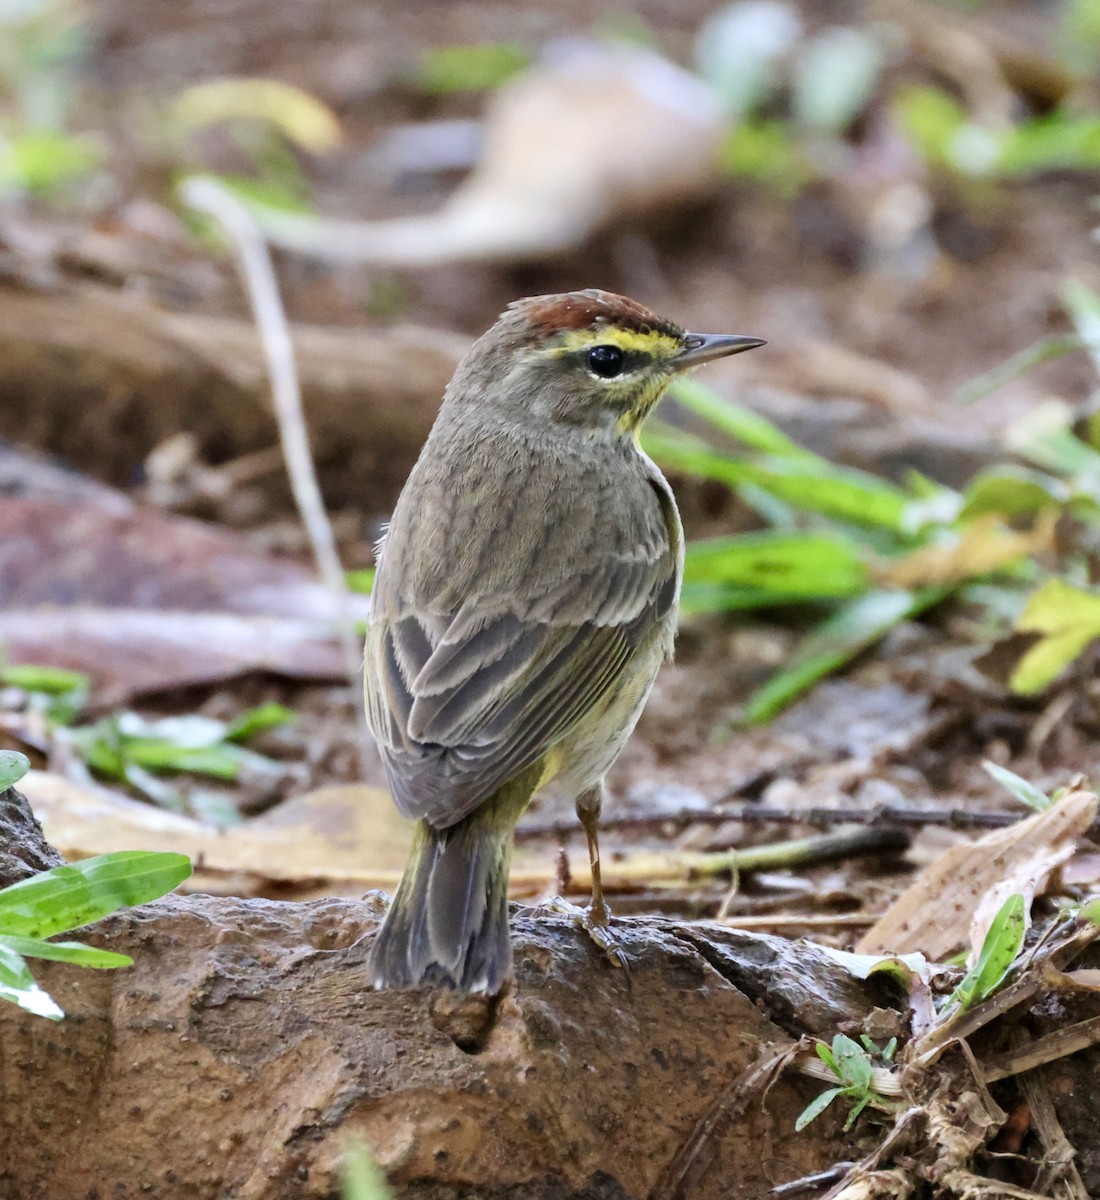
(805, 921)
(750, 812)
(1058, 1153)
(814, 1182)
(209, 196)
(1047, 1049)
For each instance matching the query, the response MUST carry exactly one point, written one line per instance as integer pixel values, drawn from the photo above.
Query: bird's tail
(448, 923)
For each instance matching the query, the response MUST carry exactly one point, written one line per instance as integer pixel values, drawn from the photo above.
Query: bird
(525, 596)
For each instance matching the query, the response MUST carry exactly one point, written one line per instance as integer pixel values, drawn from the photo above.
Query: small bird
(526, 595)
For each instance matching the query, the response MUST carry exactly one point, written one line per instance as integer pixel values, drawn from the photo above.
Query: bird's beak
(702, 347)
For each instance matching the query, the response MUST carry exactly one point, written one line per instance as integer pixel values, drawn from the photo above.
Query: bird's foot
(595, 921)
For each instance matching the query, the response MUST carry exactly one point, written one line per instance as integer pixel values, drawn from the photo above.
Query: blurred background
(903, 486)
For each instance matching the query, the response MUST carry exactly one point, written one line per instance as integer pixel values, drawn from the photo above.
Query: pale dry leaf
(126, 652)
(984, 545)
(337, 838)
(588, 137)
(953, 900)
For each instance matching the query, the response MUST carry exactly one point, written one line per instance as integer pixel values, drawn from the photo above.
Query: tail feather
(448, 922)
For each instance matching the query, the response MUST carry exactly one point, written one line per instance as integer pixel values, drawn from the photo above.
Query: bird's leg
(597, 920)
(588, 811)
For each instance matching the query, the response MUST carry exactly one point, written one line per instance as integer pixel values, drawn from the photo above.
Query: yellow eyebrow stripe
(609, 335)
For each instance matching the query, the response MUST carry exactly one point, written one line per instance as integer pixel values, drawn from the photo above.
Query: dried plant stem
(258, 275)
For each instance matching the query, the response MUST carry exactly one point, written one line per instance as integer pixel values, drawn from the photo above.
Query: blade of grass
(68, 952)
(855, 626)
(807, 483)
(736, 421)
(1012, 368)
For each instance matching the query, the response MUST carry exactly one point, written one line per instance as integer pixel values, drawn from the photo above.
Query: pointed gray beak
(702, 347)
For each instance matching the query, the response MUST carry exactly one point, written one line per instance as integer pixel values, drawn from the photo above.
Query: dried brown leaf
(953, 901)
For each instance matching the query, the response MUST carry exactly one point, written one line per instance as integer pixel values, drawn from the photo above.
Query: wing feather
(462, 701)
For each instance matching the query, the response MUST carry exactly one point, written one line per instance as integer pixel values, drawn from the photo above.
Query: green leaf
(853, 1062)
(1045, 437)
(256, 720)
(779, 567)
(475, 68)
(1068, 619)
(999, 949)
(51, 681)
(69, 952)
(69, 896)
(361, 581)
(855, 626)
(825, 1053)
(13, 766)
(767, 152)
(932, 119)
(1040, 352)
(816, 1107)
(1026, 793)
(1013, 491)
(300, 117)
(1057, 141)
(853, 1116)
(42, 160)
(18, 985)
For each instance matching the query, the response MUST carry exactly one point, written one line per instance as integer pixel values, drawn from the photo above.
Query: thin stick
(1058, 1164)
(258, 275)
(753, 813)
(794, 921)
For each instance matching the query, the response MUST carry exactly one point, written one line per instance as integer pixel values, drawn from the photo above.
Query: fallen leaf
(129, 651)
(61, 554)
(953, 901)
(578, 142)
(1067, 618)
(348, 838)
(984, 545)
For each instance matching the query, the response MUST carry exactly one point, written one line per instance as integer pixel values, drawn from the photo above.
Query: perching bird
(525, 597)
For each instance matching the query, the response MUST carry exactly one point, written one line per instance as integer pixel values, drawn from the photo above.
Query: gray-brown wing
(462, 703)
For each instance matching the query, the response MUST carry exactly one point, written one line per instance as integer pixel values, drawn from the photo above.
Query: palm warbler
(525, 597)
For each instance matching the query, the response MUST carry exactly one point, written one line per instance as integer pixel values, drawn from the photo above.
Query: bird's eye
(605, 361)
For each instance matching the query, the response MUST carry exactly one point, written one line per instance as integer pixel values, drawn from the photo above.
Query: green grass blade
(70, 896)
(736, 421)
(1021, 362)
(855, 626)
(68, 952)
(816, 1107)
(999, 950)
(18, 985)
(808, 483)
(1024, 791)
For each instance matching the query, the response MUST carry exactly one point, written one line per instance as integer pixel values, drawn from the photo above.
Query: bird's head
(589, 359)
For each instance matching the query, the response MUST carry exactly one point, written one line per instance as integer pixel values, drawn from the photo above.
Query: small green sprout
(853, 1065)
(999, 950)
